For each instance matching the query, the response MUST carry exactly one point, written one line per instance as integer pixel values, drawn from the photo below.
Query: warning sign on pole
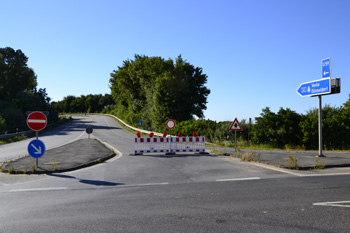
(236, 126)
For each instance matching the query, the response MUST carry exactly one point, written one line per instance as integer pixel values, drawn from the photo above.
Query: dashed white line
(146, 184)
(239, 179)
(39, 189)
(334, 203)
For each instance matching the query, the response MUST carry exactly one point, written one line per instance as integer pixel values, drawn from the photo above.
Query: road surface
(180, 193)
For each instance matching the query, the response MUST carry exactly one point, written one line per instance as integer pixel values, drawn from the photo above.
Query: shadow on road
(89, 182)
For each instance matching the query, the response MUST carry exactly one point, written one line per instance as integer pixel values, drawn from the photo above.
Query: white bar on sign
(36, 121)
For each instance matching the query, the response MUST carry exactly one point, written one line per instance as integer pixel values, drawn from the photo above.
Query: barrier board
(169, 144)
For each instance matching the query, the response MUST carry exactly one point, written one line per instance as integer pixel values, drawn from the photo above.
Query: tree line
(285, 129)
(83, 104)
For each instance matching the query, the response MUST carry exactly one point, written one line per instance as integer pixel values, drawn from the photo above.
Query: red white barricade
(169, 145)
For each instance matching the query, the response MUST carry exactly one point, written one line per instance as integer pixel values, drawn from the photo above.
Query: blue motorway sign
(316, 87)
(326, 67)
(36, 148)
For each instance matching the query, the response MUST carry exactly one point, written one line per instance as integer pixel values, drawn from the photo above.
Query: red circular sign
(170, 124)
(36, 121)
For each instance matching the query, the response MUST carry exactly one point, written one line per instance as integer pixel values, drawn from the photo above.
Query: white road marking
(148, 184)
(345, 204)
(39, 189)
(276, 169)
(116, 132)
(239, 179)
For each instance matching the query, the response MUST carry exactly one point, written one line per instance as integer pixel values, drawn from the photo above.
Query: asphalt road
(181, 193)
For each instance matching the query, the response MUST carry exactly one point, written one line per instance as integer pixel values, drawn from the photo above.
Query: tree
(288, 130)
(265, 128)
(15, 75)
(154, 89)
(18, 92)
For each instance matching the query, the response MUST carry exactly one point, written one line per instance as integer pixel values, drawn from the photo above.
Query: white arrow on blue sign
(36, 148)
(316, 87)
(326, 67)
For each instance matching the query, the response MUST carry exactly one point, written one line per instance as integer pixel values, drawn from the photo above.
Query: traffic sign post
(170, 124)
(318, 88)
(89, 130)
(326, 67)
(36, 148)
(36, 121)
(235, 126)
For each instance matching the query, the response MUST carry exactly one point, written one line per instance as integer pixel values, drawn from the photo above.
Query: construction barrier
(169, 144)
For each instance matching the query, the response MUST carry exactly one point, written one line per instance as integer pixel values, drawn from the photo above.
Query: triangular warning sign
(236, 126)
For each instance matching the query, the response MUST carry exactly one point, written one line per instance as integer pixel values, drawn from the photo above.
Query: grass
(11, 171)
(55, 167)
(251, 157)
(13, 139)
(320, 164)
(216, 152)
(292, 163)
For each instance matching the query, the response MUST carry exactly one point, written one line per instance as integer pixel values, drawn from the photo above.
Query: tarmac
(88, 152)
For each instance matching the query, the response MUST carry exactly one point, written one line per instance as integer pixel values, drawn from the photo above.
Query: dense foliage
(89, 104)
(18, 91)
(154, 89)
(284, 129)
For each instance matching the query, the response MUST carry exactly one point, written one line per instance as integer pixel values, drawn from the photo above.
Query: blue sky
(255, 53)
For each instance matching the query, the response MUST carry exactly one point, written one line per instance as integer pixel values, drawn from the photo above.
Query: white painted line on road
(116, 132)
(39, 189)
(276, 169)
(146, 184)
(334, 203)
(239, 179)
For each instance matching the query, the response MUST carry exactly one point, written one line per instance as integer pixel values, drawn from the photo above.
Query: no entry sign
(36, 121)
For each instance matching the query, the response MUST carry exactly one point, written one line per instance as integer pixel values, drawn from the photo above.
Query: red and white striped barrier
(169, 145)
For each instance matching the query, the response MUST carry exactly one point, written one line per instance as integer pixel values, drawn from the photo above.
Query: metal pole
(249, 128)
(235, 141)
(320, 127)
(37, 137)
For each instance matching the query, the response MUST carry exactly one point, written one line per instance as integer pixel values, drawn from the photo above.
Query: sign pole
(37, 137)
(320, 126)
(236, 127)
(235, 141)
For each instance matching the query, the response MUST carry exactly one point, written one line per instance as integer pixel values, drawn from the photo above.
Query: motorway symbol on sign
(326, 67)
(236, 126)
(170, 124)
(316, 87)
(36, 148)
(36, 121)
